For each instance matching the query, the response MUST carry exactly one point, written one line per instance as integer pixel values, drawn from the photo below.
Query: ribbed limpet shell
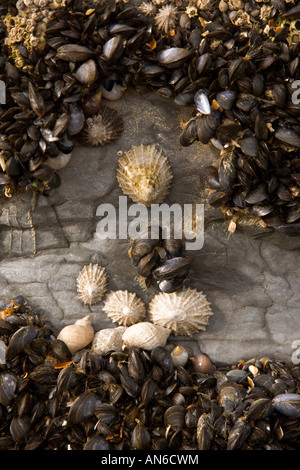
(124, 308)
(92, 284)
(144, 174)
(185, 312)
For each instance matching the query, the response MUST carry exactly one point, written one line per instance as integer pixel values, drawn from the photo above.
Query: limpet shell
(78, 335)
(108, 339)
(124, 308)
(184, 312)
(92, 284)
(144, 174)
(145, 335)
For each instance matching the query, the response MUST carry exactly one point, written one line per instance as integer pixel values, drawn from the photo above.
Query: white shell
(145, 335)
(92, 284)
(78, 335)
(179, 356)
(108, 339)
(144, 174)
(185, 311)
(124, 307)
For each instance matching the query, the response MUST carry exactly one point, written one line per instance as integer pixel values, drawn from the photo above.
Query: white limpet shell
(92, 284)
(124, 308)
(185, 311)
(108, 339)
(145, 335)
(78, 335)
(144, 174)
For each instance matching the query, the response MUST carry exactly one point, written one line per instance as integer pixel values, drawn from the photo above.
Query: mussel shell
(202, 102)
(19, 428)
(171, 285)
(140, 438)
(162, 357)
(87, 72)
(173, 247)
(174, 416)
(83, 407)
(188, 134)
(260, 409)
(147, 263)
(76, 120)
(209, 176)
(287, 404)
(207, 125)
(238, 434)
(113, 49)
(170, 268)
(19, 340)
(288, 136)
(205, 431)
(249, 146)
(97, 443)
(203, 63)
(8, 385)
(74, 53)
(227, 171)
(257, 195)
(174, 56)
(226, 99)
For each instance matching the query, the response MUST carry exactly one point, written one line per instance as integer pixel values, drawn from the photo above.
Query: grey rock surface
(251, 277)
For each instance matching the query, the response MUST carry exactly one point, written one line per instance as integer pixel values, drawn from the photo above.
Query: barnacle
(147, 8)
(103, 127)
(165, 19)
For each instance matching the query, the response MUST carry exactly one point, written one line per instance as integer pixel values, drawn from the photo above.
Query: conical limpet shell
(144, 174)
(124, 307)
(92, 284)
(78, 335)
(145, 335)
(108, 339)
(185, 311)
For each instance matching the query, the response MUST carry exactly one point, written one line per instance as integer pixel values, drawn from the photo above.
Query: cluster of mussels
(137, 399)
(236, 61)
(159, 261)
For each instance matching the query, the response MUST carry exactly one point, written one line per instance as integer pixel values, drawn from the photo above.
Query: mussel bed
(136, 399)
